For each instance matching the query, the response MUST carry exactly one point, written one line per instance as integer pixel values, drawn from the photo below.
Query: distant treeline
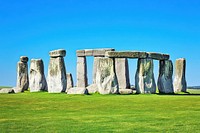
(194, 87)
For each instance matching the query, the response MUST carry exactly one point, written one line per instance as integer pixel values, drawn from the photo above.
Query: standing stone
(70, 82)
(37, 78)
(57, 81)
(106, 79)
(144, 78)
(93, 87)
(180, 80)
(165, 84)
(95, 69)
(22, 75)
(82, 80)
(122, 72)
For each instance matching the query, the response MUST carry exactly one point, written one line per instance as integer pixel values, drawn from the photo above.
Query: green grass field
(43, 112)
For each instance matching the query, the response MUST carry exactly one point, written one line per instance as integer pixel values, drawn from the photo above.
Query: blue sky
(33, 28)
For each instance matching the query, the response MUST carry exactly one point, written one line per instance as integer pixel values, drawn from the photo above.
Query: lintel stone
(101, 52)
(88, 52)
(24, 59)
(80, 53)
(126, 54)
(57, 53)
(93, 52)
(158, 56)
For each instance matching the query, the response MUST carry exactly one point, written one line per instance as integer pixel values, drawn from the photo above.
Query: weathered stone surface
(82, 80)
(165, 84)
(57, 53)
(6, 90)
(17, 89)
(126, 54)
(22, 76)
(93, 52)
(144, 78)
(70, 82)
(92, 88)
(95, 69)
(88, 52)
(125, 91)
(122, 72)
(106, 79)
(24, 59)
(101, 52)
(158, 56)
(37, 78)
(180, 83)
(57, 81)
(77, 90)
(80, 53)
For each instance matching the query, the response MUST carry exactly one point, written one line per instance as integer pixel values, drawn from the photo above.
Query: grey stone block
(57, 53)
(80, 53)
(126, 54)
(180, 83)
(101, 52)
(77, 90)
(88, 52)
(165, 83)
(37, 80)
(144, 78)
(82, 80)
(24, 59)
(158, 56)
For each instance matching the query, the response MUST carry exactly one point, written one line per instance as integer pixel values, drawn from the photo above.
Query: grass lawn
(43, 112)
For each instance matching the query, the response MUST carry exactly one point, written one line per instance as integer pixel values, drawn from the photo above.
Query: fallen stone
(92, 88)
(126, 54)
(180, 83)
(24, 59)
(37, 78)
(57, 53)
(106, 79)
(22, 76)
(70, 82)
(6, 90)
(165, 84)
(144, 78)
(17, 90)
(158, 56)
(82, 80)
(77, 90)
(122, 72)
(125, 91)
(57, 81)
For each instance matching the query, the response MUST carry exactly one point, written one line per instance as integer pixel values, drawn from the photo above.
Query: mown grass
(43, 112)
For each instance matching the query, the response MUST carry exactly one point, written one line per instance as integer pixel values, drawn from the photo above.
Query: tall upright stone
(82, 80)
(144, 78)
(57, 81)
(95, 69)
(22, 75)
(106, 79)
(165, 84)
(70, 82)
(180, 83)
(37, 78)
(122, 72)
